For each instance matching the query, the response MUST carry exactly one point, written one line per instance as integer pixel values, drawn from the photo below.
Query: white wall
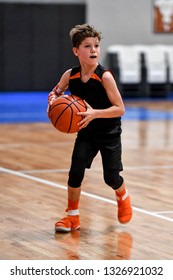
(125, 22)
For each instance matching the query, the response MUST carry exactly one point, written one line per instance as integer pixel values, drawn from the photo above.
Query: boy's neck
(87, 71)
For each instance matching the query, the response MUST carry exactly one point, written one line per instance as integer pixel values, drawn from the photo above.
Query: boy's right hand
(51, 98)
(56, 92)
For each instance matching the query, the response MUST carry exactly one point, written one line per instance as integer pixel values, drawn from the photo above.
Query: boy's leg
(71, 221)
(112, 166)
(124, 204)
(115, 181)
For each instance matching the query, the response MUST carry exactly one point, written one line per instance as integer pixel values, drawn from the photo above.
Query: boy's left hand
(88, 116)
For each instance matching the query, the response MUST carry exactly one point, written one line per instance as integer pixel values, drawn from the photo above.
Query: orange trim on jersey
(94, 76)
(77, 75)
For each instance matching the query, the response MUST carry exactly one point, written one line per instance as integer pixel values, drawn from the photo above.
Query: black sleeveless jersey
(95, 94)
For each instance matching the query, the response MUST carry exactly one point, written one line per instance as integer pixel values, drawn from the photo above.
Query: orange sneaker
(68, 223)
(124, 208)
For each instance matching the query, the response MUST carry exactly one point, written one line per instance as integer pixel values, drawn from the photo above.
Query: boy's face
(88, 51)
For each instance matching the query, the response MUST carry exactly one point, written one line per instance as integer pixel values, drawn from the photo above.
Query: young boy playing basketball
(100, 128)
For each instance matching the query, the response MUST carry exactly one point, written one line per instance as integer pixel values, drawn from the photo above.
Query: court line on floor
(94, 196)
(26, 144)
(164, 212)
(98, 169)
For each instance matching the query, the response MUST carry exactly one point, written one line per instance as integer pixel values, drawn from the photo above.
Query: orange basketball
(63, 113)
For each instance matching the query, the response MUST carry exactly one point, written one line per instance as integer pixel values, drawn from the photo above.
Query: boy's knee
(75, 178)
(113, 179)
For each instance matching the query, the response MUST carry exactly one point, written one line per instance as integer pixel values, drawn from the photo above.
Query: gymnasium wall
(35, 48)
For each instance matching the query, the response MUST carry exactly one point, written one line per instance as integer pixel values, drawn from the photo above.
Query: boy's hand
(88, 116)
(56, 92)
(51, 98)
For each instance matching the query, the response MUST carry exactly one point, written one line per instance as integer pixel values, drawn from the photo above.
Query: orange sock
(124, 206)
(120, 194)
(73, 205)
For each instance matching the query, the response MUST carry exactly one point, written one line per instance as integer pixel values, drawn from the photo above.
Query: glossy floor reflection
(113, 246)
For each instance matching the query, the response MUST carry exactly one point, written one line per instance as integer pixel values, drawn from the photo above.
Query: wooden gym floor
(34, 163)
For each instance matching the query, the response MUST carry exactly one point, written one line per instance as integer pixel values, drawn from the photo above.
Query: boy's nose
(93, 49)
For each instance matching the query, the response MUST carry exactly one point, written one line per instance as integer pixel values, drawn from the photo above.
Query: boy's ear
(75, 51)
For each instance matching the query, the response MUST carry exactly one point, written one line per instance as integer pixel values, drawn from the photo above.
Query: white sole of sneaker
(63, 229)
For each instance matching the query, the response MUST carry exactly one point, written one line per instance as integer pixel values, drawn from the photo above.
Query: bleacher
(142, 70)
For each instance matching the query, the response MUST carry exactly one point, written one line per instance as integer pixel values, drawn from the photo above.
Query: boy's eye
(88, 46)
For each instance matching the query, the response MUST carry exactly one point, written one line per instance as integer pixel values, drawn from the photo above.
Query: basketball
(63, 113)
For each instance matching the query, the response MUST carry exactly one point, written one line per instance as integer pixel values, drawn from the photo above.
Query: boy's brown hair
(80, 32)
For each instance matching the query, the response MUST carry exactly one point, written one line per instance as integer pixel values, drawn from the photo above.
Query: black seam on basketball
(53, 106)
(76, 99)
(70, 119)
(68, 105)
(82, 105)
(59, 116)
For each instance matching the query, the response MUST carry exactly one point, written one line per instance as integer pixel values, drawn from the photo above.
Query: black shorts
(88, 144)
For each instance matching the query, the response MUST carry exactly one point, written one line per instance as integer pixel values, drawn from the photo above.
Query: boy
(100, 128)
